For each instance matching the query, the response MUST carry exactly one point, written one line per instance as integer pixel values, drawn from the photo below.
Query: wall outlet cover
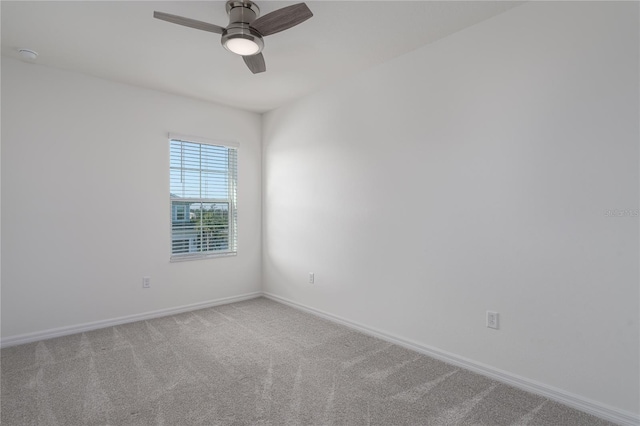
(493, 319)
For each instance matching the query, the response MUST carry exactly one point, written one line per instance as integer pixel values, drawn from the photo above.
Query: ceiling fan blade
(187, 22)
(255, 63)
(282, 19)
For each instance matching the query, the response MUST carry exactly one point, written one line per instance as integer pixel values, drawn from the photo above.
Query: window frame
(232, 202)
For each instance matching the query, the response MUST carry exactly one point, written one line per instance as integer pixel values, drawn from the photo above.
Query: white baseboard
(603, 411)
(63, 331)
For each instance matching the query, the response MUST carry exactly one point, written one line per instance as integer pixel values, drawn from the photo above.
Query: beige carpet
(256, 362)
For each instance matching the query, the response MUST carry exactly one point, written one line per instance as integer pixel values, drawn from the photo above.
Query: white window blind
(203, 180)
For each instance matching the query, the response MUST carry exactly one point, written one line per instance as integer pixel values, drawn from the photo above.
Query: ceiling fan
(243, 36)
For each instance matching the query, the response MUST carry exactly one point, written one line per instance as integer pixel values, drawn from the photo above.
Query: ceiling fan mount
(246, 30)
(249, 12)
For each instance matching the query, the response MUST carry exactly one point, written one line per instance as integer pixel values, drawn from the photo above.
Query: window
(203, 178)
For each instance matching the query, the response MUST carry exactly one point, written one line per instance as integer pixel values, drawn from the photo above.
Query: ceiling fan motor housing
(241, 15)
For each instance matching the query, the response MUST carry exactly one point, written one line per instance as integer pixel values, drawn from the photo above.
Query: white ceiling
(121, 41)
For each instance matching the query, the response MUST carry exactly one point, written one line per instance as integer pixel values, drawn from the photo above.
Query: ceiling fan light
(242, 46)
(242, 40)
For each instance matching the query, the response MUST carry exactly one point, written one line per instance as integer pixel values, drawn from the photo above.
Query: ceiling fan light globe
(242, 46)
(242, 40)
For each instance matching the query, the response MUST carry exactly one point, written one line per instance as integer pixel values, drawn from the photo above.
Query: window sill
(188, 257)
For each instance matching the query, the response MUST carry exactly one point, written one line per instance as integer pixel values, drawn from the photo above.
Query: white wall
(85, 200)
(474, 174)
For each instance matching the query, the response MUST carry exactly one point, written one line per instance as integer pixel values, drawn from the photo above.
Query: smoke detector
(28, 54)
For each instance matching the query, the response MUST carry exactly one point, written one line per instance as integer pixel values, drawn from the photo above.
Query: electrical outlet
(146, 282)
(492, 319)
(312, 278)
